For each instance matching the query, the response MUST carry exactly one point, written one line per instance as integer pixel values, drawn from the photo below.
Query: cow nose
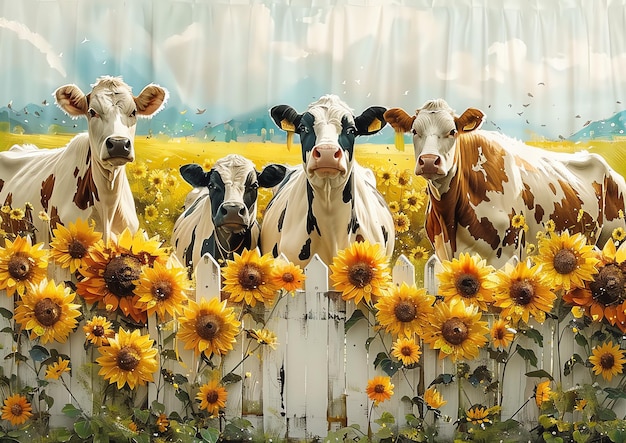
(231, 213)
(118, 146)
(327, 156)
(428, 164)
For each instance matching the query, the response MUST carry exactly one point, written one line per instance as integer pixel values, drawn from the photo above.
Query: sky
(536, 68)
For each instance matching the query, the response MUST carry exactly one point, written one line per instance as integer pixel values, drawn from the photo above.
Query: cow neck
(226, 238)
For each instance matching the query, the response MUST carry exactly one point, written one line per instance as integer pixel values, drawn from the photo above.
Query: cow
(329, 201)
(86, 178)
(491, 194)
(220, 216)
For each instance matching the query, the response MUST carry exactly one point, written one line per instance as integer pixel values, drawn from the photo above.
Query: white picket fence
(315, 379)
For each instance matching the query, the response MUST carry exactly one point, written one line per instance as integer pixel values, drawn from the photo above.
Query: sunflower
(71, 244)
(542, 393)
(386, 177)
(212, 396)
(405, 310)
(522, 292)
(501, 334)
(150, 213)
(264, 337)
(162, 422)
(607, 360)
(22, 263)
(394, 206)
(379, 389)
(456, 329)
(467, 278)
(110, 276)
(406, 350)
(47, 311)
(478, 415)
(361, 272)
(401, 221)
(157, 178)
(16, 409)
(248, 277)
(405, 178)
(566, 260)
(98, 330)
(433, 398)
(518, 221)
(419, 253)
(128, 358)
(413, 200)
(605, 296)
(56, 369)
(288, 276)
(208, 326)
(618, 234)
(161, 289)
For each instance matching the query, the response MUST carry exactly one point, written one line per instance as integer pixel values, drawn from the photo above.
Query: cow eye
(132, 114)
(452, 132)
(303, 129)
(92, 113)
(253, 186)
(414, 131)
(351, 130)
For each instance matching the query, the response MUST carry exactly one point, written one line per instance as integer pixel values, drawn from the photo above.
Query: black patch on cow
(305, 252)
(385, 234)
(311, 221)
(347, 190)
(281, 219)
(275, 250)
(188, 256)
(195, 204)
(353, 226)
(1, 185)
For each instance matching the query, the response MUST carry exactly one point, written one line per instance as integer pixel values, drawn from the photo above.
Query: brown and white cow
(329, 201)
(220, 216)
(484, 185)
(86, 178)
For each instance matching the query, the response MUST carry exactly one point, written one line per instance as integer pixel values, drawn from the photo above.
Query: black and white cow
(330, 201)
(220, 215)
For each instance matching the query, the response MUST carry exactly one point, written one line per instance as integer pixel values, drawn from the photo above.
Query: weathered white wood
(357, 369)
(336, 414)
(403, 271)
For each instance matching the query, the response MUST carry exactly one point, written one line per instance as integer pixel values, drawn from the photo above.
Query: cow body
(86, 178)
(490, 194)
(220, 216)
(329, 201)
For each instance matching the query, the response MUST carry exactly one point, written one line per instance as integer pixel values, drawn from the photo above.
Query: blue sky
(536, 68)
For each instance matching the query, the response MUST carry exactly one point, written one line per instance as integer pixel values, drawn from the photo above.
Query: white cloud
(24, 33)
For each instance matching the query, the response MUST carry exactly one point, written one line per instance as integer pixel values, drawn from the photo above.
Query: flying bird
(530, 95)
(200, 111)
(587, 122)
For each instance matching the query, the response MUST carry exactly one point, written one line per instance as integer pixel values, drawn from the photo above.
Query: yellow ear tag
(399, 140)
(375, 125)
(289, 127)
(289, 140)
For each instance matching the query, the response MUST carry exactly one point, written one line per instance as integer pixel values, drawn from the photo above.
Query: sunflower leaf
(6, 313)
(38, 353)
(356, 316)
(70, 410)
(211, 434)
(533, 334)
(528, 355)
(231, 377)
(83, 428)
(539, 374)
(614, 393)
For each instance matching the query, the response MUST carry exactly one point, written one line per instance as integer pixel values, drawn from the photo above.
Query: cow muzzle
(327, 161)
(119, 149)
(232, 217)
(429, 166)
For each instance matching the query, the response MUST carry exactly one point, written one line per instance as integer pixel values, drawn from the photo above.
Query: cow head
(233, 184)
(111, 111)
(327, 132)
(435, 130)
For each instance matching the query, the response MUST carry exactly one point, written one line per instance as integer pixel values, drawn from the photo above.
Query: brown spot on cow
(86, 191)
(613, 200)
(482, 176)
(47, 186)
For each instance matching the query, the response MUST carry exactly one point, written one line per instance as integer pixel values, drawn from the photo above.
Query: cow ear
(285, 117)
(401, 122)
(195, 175)
(470, 120)
(72, 100)
(151, 100)
(271, 175)
(370, 121)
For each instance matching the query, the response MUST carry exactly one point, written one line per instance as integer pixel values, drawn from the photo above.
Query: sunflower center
(120, 273)
(128, 358)
(250, 277)
(467, 285)
(499, 334)
(77, 249)
(608, 286)
(288, 277)
(98, 331)
(47, 312)
(16, 410)
(360, 274)
(454, 331)
(19, 266)
(379, 389)
(212, 397)
(565, 261)
(162, 289)
(522, 292)
(406, 351)
(405, 311)
(208, 326)
(607, 361)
